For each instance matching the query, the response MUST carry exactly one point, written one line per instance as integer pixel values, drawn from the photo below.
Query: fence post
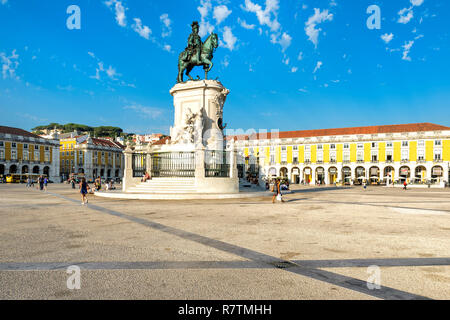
(128, 172)
(200, 163)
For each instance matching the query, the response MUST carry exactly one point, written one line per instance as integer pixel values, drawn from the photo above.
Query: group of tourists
(42, 183)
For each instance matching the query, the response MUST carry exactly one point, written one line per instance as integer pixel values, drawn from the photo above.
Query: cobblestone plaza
(319, 244)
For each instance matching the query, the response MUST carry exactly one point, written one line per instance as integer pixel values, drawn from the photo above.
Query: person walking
(84, 191)
(41, 183)
(72, 181)
(45, 183)
(28, 182)
(404, 185)
(276, 191)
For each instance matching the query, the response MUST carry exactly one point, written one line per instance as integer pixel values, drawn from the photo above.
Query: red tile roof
(17, 131)
(106, 143)
(161, 141)
(395, 128)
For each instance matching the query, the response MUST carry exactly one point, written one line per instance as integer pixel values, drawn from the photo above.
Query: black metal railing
(139, 164)
(173, 164)
(217, 164)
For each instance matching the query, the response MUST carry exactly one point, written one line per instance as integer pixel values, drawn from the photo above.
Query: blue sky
(289, 65)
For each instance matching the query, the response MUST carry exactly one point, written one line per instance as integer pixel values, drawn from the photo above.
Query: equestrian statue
(197, 53)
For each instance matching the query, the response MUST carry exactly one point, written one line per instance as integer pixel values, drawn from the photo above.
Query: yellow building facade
(415, 153)
(22, 153)
(91, 157)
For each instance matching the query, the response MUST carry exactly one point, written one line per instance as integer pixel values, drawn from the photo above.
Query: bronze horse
(206, 55)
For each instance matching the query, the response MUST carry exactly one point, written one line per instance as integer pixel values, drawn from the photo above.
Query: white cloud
(146, 112)
(167, 48)
(3, 1)
(229, 40)
(406, 48)
(9, 65)
(245, 25)
(284, 41)
(167, 29)
(313, 21)
(143, 31)
(112, 73)
(294, 69)
(225, 62)
(416, 3)
(268, 16)
(300, 56)
(387, 37)
(221, 13)
(119, 10)
(318, 65)
(205, 26)
(405, 15)
(303, 90)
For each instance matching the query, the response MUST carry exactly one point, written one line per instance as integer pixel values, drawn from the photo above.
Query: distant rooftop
(395, 128)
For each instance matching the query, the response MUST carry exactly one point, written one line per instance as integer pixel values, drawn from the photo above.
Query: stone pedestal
(200, 102)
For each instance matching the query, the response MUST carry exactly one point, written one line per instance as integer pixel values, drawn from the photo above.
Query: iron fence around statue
(139, 164)
(173, 164)
(217, 164)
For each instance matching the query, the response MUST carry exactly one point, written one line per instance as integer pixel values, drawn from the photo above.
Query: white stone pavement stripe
(112, 265)
(329, 277)
(355, 263)
(122, 265)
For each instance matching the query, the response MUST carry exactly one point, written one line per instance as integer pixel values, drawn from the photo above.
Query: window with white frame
(26, 155)
(295, 157)
(13, 155)
(405, 155)
(437, 143)
(36, 156)
(332, 146)
(437, 154)
(272, 158)
(333, 156)
(360, 146)
(389, 155)
(2, 144)
(47, 148)
(308, 147)
(420, 154)
(2, 154)
(283, 148)
(319, 147)
(421, 143)
(36, 147)
(13, 145)
(346, 156)
(389, 144)
(320, 156)
(295, 148)
(283, 157)
(308, 156)
(359, 155)
(346, 146)
(25, 146)
(405, 143)
(374, 144)
(374, 155)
